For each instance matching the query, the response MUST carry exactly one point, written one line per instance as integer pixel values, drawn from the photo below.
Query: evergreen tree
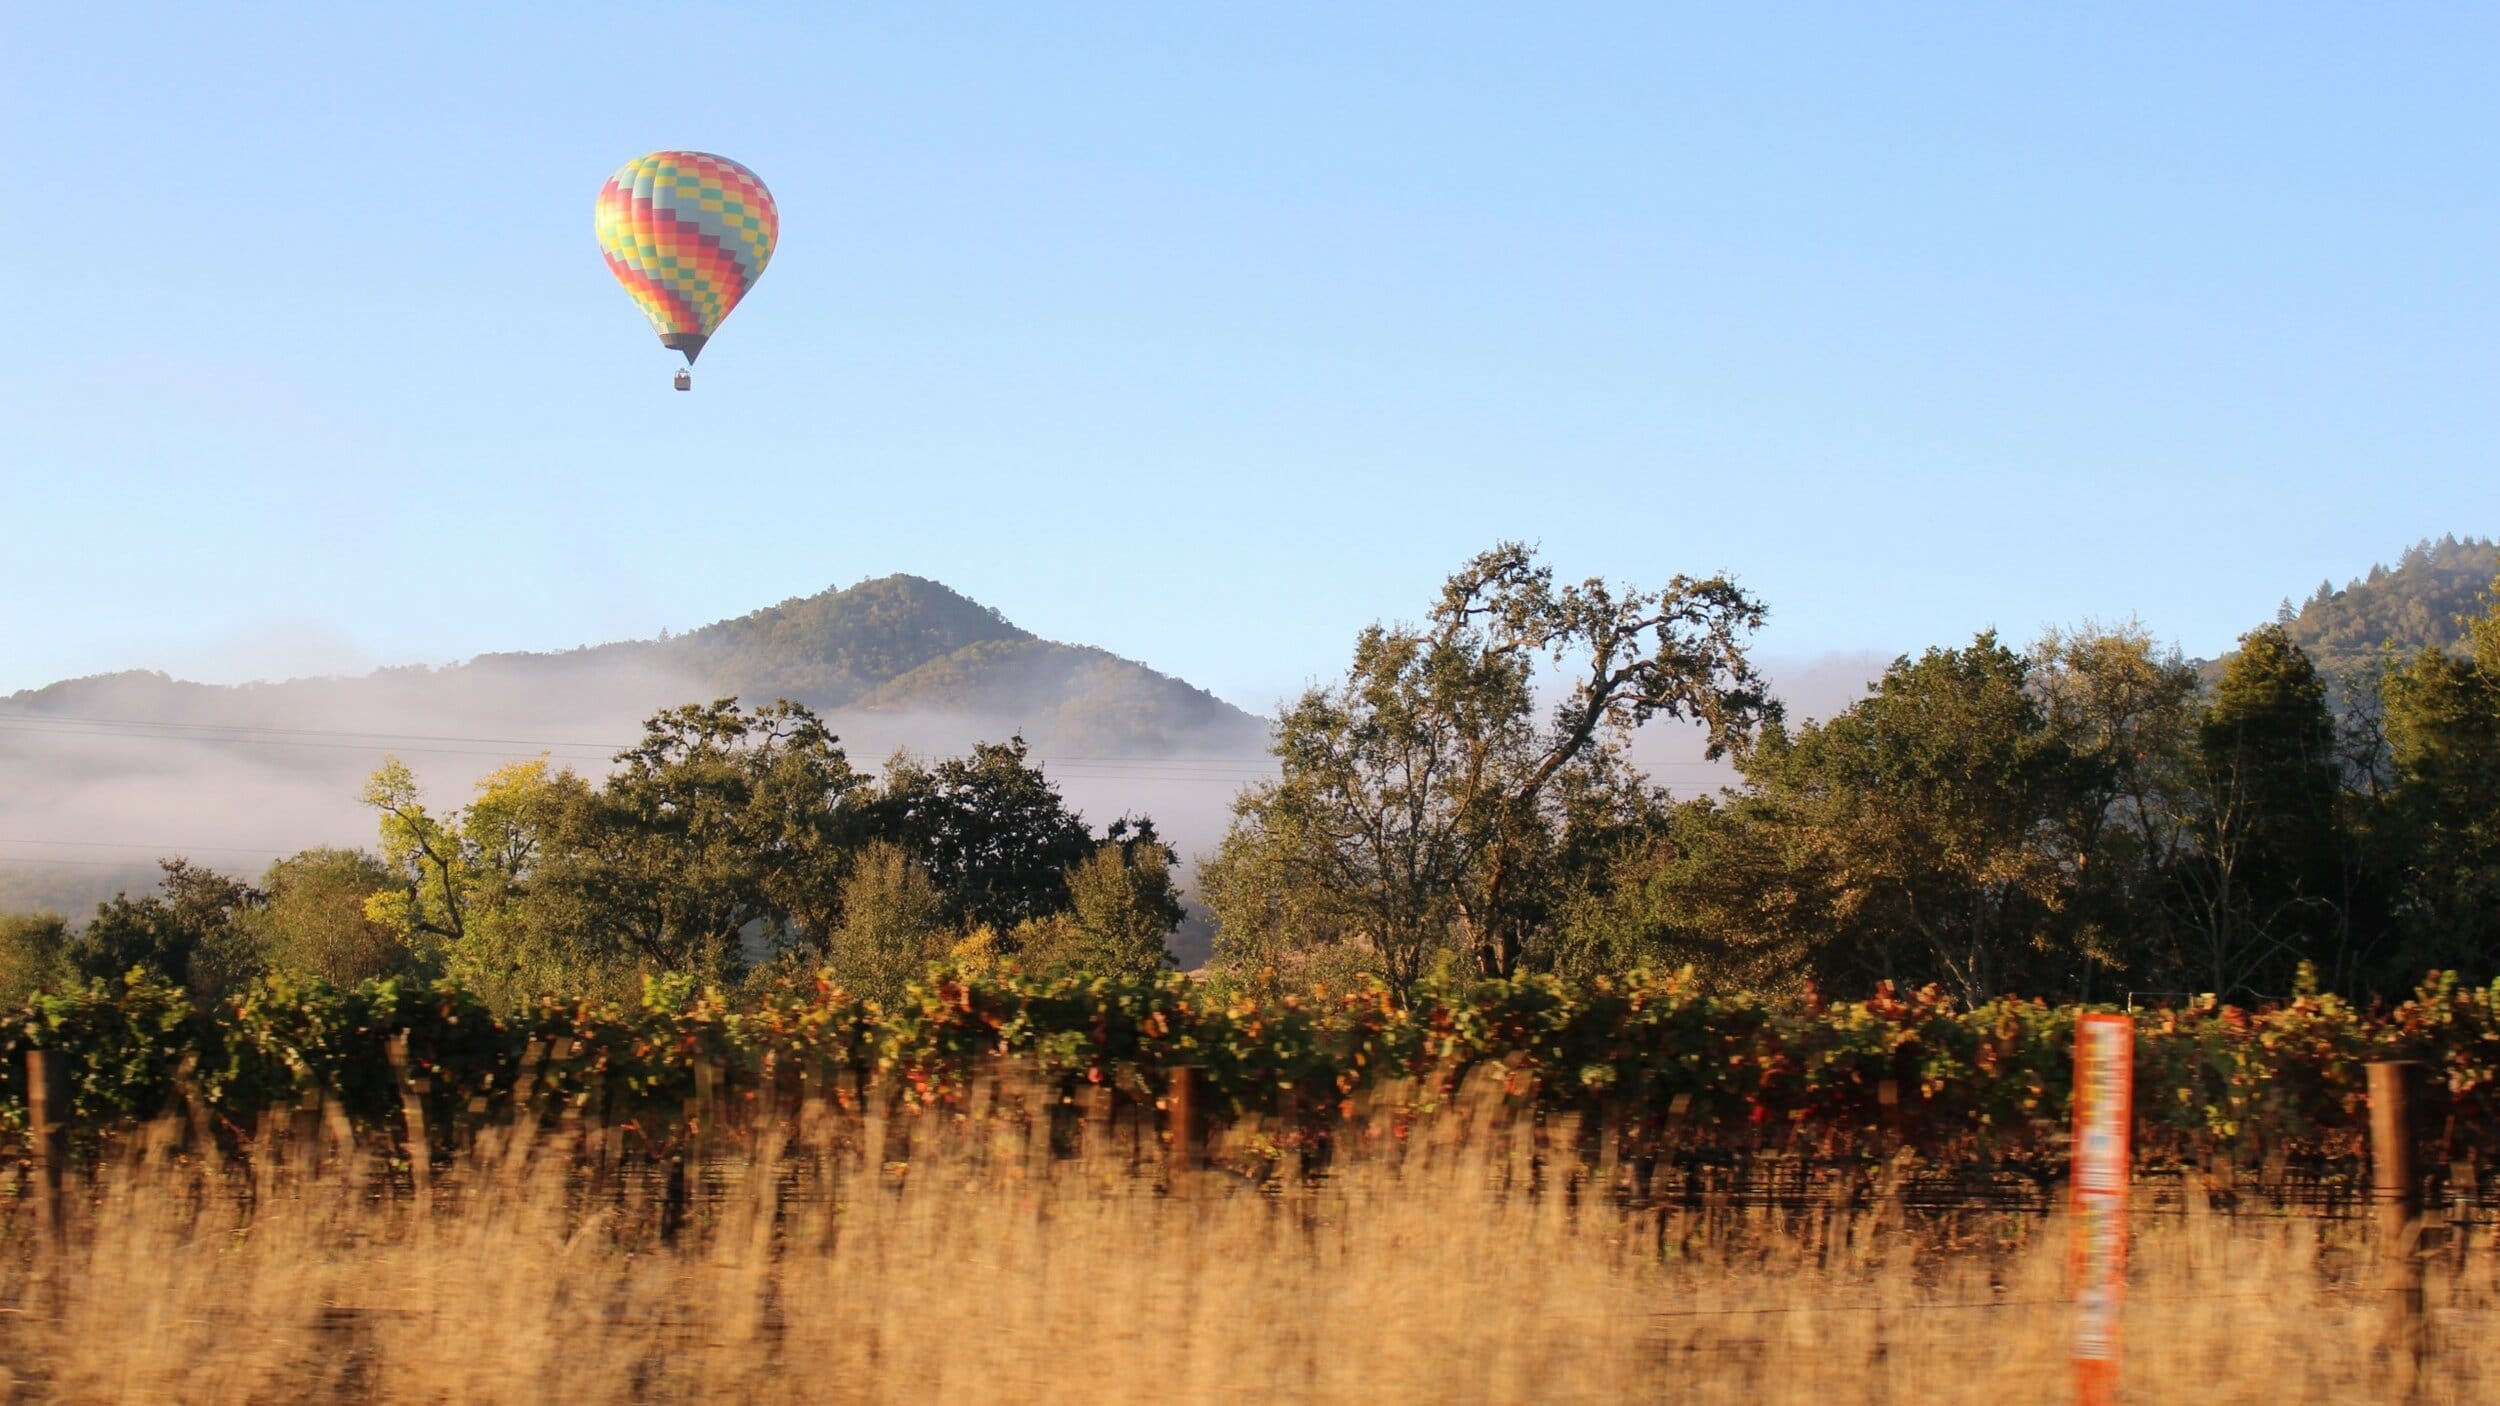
(1925, 820)
(2440, 818)
(2267, 885)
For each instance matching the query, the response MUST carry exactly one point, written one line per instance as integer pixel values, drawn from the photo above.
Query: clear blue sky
(1208, 334)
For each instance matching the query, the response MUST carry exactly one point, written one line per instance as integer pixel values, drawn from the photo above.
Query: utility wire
(1178, 768)
(159, 849)
(6, 718)
(63, 724)
(1236, 770)
(227, 732)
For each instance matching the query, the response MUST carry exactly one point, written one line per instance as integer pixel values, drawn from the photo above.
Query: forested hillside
(2082, 815)
(2423, 601)
(2078, 815)
(897, 644)
(100, 776)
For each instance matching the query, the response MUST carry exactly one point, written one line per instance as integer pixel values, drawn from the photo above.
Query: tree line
(2082, 817)
(733, 845)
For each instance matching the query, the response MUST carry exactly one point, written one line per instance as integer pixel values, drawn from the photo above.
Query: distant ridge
(99, 776)
(885, 647)
(2415, 605)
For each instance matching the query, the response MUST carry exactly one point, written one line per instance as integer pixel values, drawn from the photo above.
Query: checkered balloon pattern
(687, 234)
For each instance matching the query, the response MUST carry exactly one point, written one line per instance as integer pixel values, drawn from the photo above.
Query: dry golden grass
(970, 1278)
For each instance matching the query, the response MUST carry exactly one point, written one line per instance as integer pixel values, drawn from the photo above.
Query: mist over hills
(99, 776)
(899, 647)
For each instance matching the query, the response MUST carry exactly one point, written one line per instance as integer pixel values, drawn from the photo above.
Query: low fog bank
(1810, 686)
(101, 777)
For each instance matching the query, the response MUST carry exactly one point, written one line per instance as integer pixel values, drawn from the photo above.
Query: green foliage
(462, 883)
(726, 830)
(2439, 821)
(2081, 819)
(729, 837)
(721, 822)
(2085, 817)
(2267, 886)
(990, 830)
(192, 932)
(125, 1040)
(1988, 1081)
(1712, 885)
(316, 923)
(2416, 605)
(1425, 809)
(1123, 906)
(2127, 709)
(1925, 826)
(893, 922)
(35, 955)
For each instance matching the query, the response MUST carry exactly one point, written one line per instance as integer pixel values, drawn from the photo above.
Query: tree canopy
(2087, 816)
(1428, 807)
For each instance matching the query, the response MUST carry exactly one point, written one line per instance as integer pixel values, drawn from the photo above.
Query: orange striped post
(2103, 1163)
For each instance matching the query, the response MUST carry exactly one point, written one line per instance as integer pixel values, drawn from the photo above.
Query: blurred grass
(972, 1275)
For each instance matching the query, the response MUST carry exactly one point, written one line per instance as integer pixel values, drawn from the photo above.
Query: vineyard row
(1861, 1078)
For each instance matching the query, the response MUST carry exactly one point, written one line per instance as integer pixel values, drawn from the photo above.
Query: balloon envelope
(687, 233)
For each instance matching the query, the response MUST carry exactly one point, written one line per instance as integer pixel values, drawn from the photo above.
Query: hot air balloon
(687, 233)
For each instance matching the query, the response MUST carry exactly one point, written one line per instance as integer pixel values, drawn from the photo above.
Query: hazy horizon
(108, 788)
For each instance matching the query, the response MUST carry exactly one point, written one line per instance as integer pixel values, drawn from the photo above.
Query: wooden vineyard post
(412, 1111)
(47, 1120)
(702, 1111)
(2103, 1165)
(522, 1131)
(203, 1127)
(2396, 1197)
(673, 1198)
(1181, 1114)
(304, 1133)
(1610, 1142)
(1041, 1107)
(876, 1099)
(2463, 1180)
(815, 1110)
(1098, 1127)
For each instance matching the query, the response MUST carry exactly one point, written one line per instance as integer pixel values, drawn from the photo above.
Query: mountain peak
(886, 645)
(839, 644)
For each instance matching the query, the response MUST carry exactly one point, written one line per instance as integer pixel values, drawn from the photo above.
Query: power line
(214, 731)
(290, 731)
(1176, 768)
(160, 849)
(63, 724)
(379, 744)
